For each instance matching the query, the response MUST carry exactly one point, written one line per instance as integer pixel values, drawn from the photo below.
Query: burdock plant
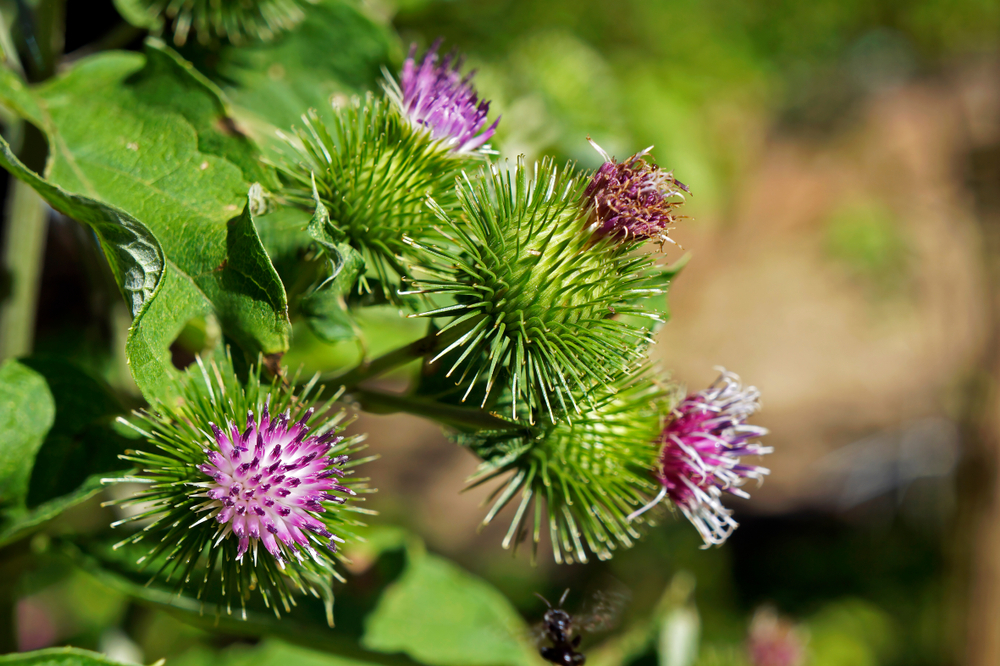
(376, 163)
(251, 483)
(235, 20)
(540, 299)
(578, 479)
(537, 289)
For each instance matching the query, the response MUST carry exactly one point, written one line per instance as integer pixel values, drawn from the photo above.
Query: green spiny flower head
(583, 476)
(253, 483)
(236, 20)
(538, 299)
(380, 159)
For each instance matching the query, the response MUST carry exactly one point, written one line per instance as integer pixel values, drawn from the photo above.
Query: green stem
(396, 358)
(24, 247)
(461, 418)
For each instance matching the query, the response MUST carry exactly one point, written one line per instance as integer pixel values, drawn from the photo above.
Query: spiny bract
(584, 476)
(263, 506)
(236, 20)
(538, 301)
(374, 172)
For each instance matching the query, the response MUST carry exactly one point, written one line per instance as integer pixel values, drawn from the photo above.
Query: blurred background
(844, 240)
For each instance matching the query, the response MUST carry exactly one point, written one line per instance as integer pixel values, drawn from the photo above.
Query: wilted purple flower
(434, 96)
(703, 443)
(633, 197)
(268, 482)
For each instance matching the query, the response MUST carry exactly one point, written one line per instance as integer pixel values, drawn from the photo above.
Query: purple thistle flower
(269, 482)
(434, 96)
(633, 197)
(703, 443)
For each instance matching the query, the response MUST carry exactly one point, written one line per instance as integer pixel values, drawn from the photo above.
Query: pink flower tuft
(269, 482)
(703, 443)
(433, 95)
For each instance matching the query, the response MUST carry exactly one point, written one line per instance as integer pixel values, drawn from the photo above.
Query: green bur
(183, 545)
(585, 476)
(538, 301)
(374, 172)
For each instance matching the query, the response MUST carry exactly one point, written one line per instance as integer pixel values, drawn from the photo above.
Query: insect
(563, 630)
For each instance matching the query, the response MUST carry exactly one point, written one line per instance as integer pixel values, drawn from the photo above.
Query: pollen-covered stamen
(633, 198)
(433, 95)
(702, 447)
(272, 496)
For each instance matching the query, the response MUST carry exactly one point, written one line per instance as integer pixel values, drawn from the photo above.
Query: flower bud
(252, 483)
(702, 446)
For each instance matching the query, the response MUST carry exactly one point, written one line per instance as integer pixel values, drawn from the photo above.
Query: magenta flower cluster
(268, 484)
(433, 95)
(633, 198)
(703, 444)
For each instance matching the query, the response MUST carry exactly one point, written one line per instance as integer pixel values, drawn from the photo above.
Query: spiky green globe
(579, 480)
(235, 20)
(245, 488)
(537, 301)
(374, 171)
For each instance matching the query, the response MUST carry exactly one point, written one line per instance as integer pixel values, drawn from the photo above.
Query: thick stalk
(23, 250)
(396, 358)
(460, 418)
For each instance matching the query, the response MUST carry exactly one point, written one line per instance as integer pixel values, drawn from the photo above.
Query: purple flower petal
(703, 443)
(268, 497)
(433, 95)
(633, 198)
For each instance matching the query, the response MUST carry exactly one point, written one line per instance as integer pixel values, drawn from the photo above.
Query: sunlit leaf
(336, 50)
(143, 150)
(64, 656)
(443, 616)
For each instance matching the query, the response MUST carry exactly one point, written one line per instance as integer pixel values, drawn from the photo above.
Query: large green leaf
(268, 653)
(150, 136)
(444, 616)
(63, 656)
(335, 50)
(306, 624)
(134, 254)
(27, 411)
(69, 417)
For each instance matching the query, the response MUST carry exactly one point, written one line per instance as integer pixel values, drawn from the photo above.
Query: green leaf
(139, 15)
(80, 443)
(150, 136)
(306, 624)
(325, 308)
(27, 411)
(134, 254)
(268, 653)
(443, 616)
(63, 656)
(335, 50)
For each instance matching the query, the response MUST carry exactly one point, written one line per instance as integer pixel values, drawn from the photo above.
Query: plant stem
(24, 248)
(396, 358)
(461, 418)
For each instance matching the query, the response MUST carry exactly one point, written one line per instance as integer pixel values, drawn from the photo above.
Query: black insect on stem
(558, 627)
